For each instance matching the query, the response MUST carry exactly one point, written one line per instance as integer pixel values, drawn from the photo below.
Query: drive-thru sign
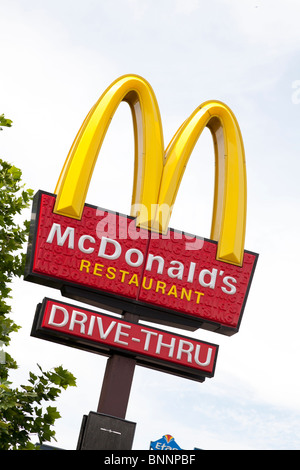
(106, 334)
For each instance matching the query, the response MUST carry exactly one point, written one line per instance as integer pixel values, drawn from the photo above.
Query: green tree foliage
(23, 410)
(4, 122)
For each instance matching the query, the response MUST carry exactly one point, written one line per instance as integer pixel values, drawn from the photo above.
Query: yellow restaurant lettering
(110, 272)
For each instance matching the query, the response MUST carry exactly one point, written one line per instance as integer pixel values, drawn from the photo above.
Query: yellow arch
(74, 180)
(157, 175)
(230, 196)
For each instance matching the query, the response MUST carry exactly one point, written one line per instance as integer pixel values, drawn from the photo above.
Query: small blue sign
(167, 442)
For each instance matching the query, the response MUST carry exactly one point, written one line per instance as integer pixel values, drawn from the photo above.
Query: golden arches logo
(158, 173)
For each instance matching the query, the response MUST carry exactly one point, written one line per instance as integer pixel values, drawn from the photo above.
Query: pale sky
(57, 57)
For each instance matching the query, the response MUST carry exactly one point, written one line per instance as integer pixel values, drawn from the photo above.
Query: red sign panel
(105, 334)
(106, 260)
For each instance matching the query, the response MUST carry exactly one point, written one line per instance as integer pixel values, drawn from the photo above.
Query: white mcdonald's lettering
(155, 343)
(134, 258)
(68, 234)
(102, 250)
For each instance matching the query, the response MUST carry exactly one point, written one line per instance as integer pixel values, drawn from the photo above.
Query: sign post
(118, 376)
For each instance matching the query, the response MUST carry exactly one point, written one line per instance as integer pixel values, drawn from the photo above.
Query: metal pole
(117, 381)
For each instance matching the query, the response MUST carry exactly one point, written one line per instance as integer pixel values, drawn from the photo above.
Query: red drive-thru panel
(105, 334)
(103, 259)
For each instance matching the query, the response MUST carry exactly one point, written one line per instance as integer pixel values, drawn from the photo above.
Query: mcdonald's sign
(136, 262)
